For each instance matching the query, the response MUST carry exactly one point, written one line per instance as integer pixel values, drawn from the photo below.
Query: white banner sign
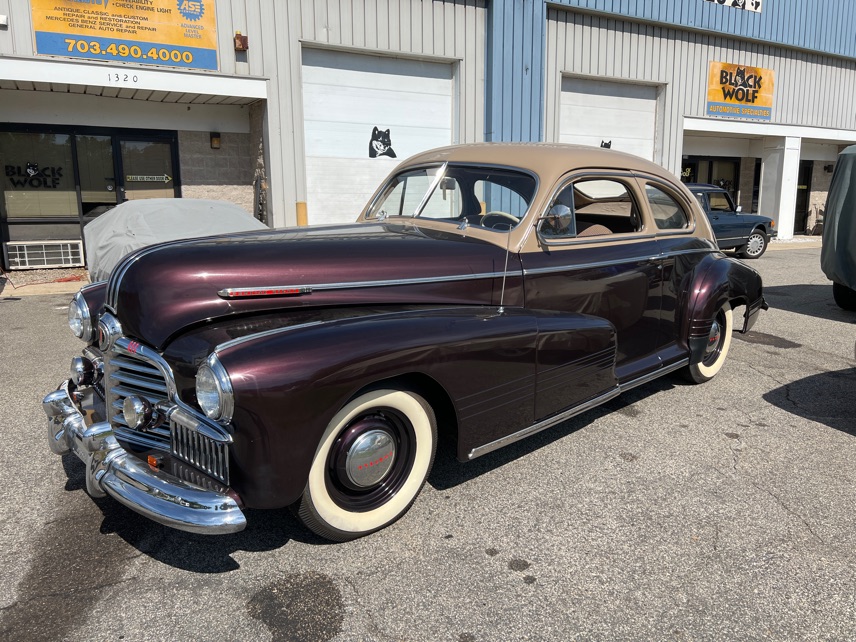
(746, 5)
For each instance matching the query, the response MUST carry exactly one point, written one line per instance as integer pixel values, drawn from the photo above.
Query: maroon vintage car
(486, 292)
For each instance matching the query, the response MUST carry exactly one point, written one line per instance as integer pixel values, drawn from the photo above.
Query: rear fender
(718, 280)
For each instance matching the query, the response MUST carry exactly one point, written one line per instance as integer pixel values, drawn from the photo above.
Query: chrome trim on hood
(278, 290)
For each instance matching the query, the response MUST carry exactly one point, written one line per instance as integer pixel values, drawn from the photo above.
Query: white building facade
(296, 109)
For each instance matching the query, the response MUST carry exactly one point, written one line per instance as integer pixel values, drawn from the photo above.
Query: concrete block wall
(224, 174)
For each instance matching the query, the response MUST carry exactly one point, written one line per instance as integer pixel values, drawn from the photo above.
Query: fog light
(83, 372)
(138, 412)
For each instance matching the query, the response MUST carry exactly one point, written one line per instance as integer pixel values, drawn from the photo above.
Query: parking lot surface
(675, 512)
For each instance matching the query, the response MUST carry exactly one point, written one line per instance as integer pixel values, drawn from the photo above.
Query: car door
(728, 225)
(594, 256)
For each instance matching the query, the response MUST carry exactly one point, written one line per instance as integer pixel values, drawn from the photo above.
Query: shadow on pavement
(266, 530)
(811, 300)
(828, 398)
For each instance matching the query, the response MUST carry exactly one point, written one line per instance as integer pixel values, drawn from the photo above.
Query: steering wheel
(496, 219)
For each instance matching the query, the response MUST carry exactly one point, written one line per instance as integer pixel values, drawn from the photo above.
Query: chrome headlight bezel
(79, 318)
(214, 390)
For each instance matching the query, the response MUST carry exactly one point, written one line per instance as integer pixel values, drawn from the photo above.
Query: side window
(701, 200)
(591, 207)
(719, 202)
(668, 214)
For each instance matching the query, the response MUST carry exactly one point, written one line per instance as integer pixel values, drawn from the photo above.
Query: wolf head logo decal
(380, 144)
(32, 169)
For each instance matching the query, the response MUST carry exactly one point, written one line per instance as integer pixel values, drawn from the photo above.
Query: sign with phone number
(174, 33)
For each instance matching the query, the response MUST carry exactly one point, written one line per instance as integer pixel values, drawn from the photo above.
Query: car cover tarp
(135, 224)
(838, 254)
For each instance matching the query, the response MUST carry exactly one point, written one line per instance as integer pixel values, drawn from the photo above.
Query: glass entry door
(97, 174)
(147, 169)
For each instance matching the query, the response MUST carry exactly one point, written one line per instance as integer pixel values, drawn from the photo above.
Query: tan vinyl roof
(548, 160)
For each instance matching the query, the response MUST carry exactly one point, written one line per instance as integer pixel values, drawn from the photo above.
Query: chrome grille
(187, 436)
(126, 376)
(198, 450)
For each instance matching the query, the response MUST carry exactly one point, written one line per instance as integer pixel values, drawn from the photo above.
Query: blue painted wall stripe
(516, 42)
(826, 26)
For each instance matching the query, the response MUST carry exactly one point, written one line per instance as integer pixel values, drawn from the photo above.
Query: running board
(576, 410)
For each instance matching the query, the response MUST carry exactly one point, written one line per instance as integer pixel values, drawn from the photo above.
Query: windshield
(489, 197)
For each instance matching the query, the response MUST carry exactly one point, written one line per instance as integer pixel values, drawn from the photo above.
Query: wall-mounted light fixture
(4, 21)
(215, 140)
(828, 169)
(241, 42)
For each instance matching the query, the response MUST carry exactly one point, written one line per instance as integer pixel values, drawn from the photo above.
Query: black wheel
(371, 464)
(755, 246)
(845, 297)
(718, 343)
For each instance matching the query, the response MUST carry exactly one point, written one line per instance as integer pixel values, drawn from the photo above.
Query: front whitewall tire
(322, 514)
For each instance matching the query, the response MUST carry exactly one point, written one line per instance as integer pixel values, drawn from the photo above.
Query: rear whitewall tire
(319, 509)
(710, 365)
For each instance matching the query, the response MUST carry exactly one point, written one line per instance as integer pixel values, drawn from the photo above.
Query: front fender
(288, 383)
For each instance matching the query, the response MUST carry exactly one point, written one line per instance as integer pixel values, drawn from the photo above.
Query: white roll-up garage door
(362, 116)
(592, 112)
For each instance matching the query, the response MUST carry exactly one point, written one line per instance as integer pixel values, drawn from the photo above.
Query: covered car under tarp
(838, 254)
(135, 224)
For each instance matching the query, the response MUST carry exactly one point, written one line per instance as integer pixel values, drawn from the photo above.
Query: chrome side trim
(659, 372)
(599, 264)
(543, 425)
(346, 285)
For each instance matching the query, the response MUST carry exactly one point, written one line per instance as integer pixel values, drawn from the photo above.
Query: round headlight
(214, 390)
(75, 318)
(79, 319)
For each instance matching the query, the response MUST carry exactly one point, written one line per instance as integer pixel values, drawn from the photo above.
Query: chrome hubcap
(370, 458)
(712, 339)
(755, 244)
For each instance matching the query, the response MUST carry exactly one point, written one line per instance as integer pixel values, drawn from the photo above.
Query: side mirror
(558, 221)
(739, 209)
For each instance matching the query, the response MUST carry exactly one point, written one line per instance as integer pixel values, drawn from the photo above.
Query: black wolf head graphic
(380, 144)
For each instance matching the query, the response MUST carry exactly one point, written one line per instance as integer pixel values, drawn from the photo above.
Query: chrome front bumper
(111, 470)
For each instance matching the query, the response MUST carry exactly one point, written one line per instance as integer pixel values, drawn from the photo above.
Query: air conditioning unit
(29, 255)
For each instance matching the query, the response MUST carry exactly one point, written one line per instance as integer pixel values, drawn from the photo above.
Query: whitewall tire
(717, 348)
(370, 465)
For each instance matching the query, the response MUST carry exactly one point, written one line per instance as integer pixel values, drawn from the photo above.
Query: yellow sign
(738, 91)
(174, 33)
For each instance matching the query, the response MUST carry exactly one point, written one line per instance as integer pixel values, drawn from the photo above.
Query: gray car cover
(134, 224)
(838, 254)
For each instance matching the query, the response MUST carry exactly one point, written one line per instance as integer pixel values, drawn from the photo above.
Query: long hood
(160, 290)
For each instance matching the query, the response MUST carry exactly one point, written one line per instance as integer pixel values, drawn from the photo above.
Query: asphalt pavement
(724, 511)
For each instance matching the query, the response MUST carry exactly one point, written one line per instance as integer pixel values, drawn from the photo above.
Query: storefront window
(38, 175)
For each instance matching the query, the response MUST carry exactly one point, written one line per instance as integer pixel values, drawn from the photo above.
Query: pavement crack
(789, 510)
